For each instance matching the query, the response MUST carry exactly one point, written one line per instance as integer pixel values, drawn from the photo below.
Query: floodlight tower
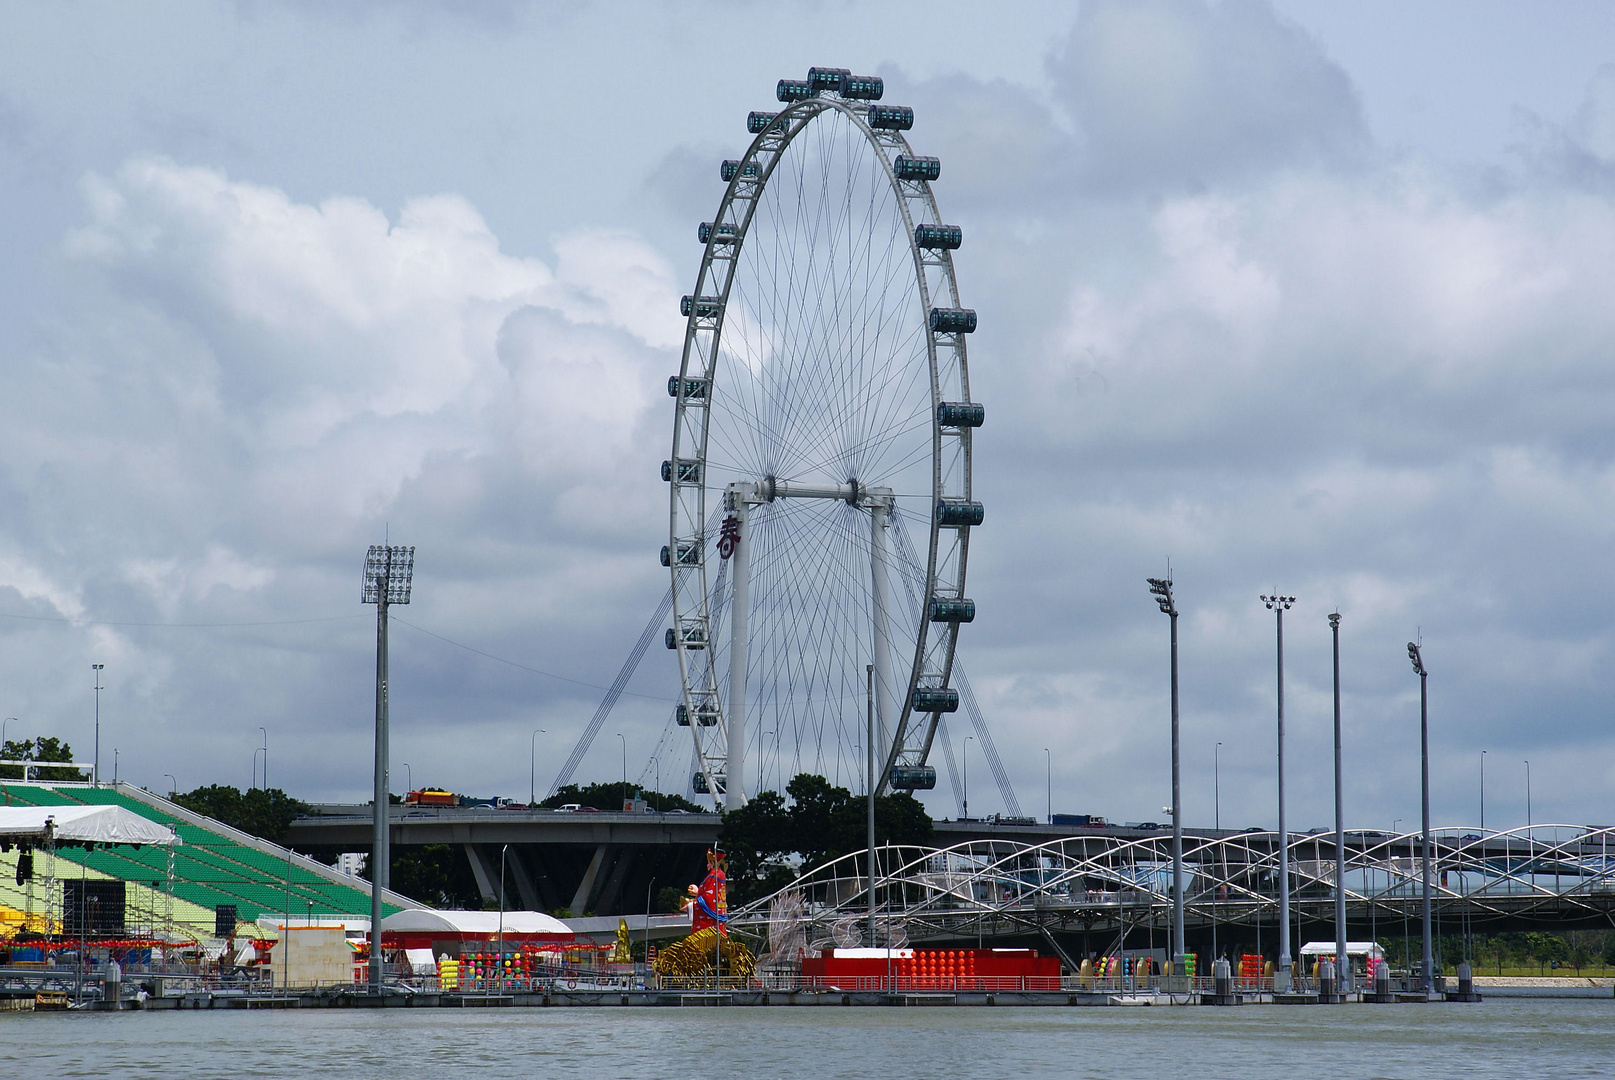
(1279, 605)
(388, 572)
(1161, 590)
(1427, 974)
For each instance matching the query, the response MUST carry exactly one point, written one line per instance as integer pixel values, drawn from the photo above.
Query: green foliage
(609, 797)
(821, 824)
(263, 813)
(437, 874)
(38, 749)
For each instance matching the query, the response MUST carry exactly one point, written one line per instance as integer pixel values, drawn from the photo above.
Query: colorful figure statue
(711, 906)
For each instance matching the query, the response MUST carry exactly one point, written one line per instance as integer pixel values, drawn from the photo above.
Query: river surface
(1500, 1038)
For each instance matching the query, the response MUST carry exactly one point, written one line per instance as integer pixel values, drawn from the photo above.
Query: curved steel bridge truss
(1546, 875)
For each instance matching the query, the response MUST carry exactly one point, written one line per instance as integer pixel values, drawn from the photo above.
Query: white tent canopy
(1353, 948)
(430, 921)
(80, 825)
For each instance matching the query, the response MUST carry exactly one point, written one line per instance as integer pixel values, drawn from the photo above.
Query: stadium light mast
(389, 571)
(1281, 604)
(1161, 590)
(1427, 975)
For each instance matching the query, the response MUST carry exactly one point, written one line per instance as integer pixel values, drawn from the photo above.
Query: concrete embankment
(1525, 986)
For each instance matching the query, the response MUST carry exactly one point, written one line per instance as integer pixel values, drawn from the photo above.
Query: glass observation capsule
(790, 90)
(959, 513)
(863, 87)
(689, 554)
(689, 471)
(916, 168)
(826, 78)
(913, 777)
(726, 232)
(731, 169)
(694, 638)
(952, 320)
(704, 719)
(693, 388)
(926, 699)
(891, 117)
(706, 307)
(939, 237)
(951, 609)
(958, 414)
(758, 121)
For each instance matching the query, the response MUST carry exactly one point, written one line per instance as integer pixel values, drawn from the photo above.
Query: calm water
(1503, 1038)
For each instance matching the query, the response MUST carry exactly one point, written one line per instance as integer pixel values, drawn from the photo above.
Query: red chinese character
(729, 537)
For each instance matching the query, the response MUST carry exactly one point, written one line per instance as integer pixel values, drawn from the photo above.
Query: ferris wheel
(820, 477)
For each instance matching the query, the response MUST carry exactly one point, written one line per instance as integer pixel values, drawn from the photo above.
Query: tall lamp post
(624, 769)
(95, 766)
(1048, 785)
(389, 571)
(1216, 788)
(1483, 793)
(1161, 590)
(966, 754)
(265, 734)
(1279, 605)
(1427, 974)
(1343, 972)
(532, 766)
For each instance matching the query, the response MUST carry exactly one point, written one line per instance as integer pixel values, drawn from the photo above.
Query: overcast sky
(1301, 296)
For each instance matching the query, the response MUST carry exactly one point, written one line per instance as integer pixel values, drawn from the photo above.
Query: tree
(40, 748)
(822, 823)
(263, 813)
(435, 874)
(608, 796)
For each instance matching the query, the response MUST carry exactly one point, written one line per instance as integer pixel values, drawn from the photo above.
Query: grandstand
(214, 865)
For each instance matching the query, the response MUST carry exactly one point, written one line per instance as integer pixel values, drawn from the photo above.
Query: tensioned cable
(185, 625)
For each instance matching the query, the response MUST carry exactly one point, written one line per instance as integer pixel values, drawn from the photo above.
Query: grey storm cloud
(1219, 325)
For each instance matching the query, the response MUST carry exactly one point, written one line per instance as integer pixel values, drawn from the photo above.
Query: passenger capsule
(689, 471)
(916, 168)
(790, 90)
(913, 777)
(826, 78)
(731, 169)
(726, 232)
(863, 87)
(938, 237)
(935, 699)
(951, 609)
(959, 513)
(707, 307)
(757, 122)
(694, 638)
(693, 388)
(960, 414)
(891, 117)
(704, 719)
(951, 320)
(699, 782)
(689, 554)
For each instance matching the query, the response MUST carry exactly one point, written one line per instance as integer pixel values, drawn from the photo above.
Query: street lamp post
(3, 725)
(95, 766)
(1483, 793)
(1343, 972)
(1216, 789)
(1427, 974)
(624, 769)
(409, 779)
(173, 785)
(1279, 605)
(389, 572)
(1161, 590)
(266, 757)
(966, 755)
(1048, 785)
(114, 766)
(532, 766)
